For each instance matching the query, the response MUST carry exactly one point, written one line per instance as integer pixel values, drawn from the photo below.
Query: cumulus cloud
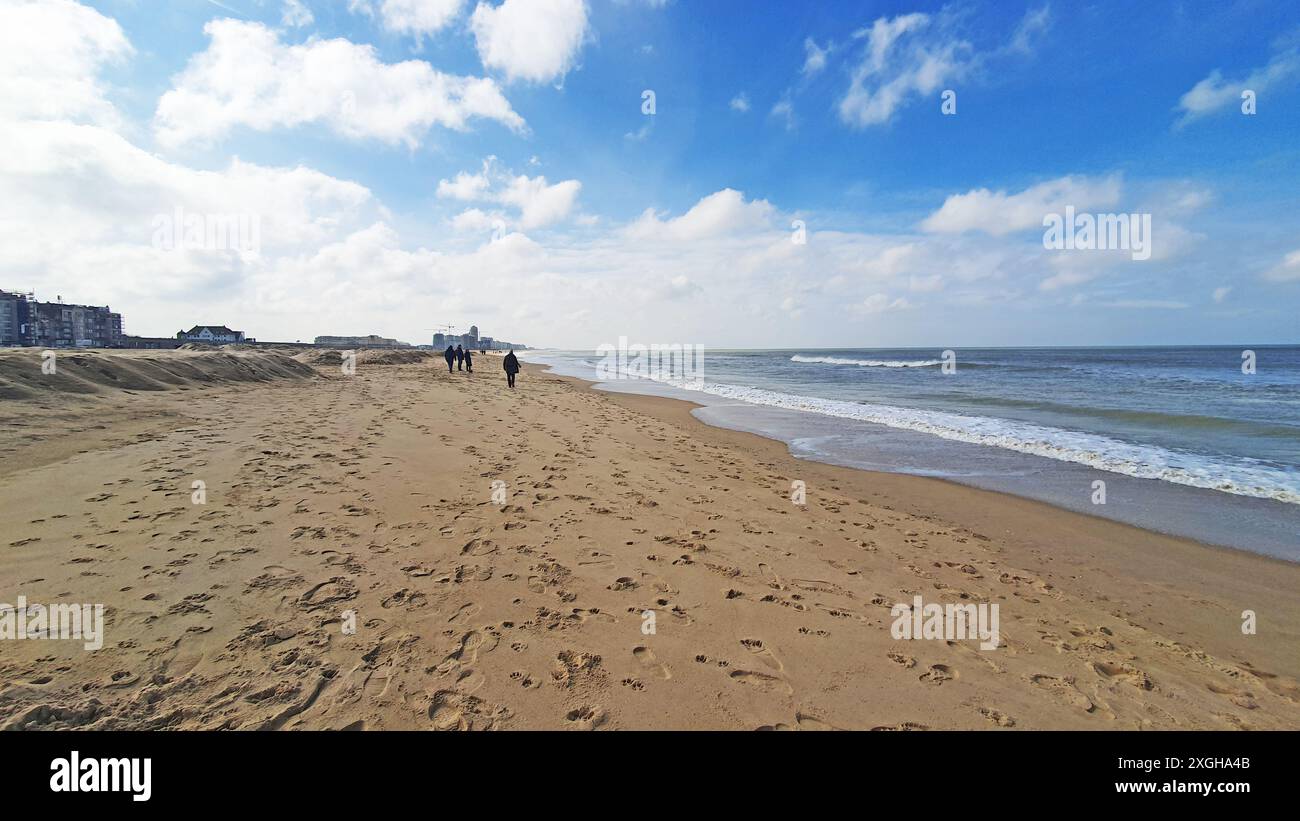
(538, 202)
(80, 204)
(416, 17)
(740, 102)
(51, 52)
(248, 77)
(999, 213)
(535, 41)
(724, 213)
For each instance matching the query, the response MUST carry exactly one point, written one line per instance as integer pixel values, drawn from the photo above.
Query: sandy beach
(374, 494)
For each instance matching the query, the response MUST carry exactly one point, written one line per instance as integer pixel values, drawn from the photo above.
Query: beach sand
(374, 494)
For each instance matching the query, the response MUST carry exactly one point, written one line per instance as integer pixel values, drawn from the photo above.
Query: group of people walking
(459, 358)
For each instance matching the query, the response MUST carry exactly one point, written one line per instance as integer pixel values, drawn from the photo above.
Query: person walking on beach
(460, 358)
(511, 364)
(469, 360)
(450, 356)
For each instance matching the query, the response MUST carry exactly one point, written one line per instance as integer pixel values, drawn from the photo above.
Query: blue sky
(543, 205)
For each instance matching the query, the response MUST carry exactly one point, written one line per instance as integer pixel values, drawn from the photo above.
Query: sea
(1197, 441)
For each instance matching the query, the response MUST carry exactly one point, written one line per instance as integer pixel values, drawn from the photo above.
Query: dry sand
(373, 493)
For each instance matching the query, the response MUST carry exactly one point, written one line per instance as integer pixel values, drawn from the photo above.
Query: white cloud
(1214, 93)
(815, 57)
(915, 55)
(1288, 270)
(247, 77)
(535, 41)
(79, 205)
(418, 17)
(899, 61)
(1221, 293)
(538, 202)
(1065, 279)
(999, 213)
(296, 14)
(879, 304)
(1168, 304)
(740, 102)
(474, 219)
(784, 111)
(51, 52)
(724, 213)
(465, 186)
(1032, 26)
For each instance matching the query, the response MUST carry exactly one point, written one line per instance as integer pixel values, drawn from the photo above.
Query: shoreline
(362, 494)
(1255, 525)
(1182, 560)
(880, 475)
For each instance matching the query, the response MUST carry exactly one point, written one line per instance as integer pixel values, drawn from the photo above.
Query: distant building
(14, 310)
(472, 340)
(25, 321)
(371, 341)
(212, 335)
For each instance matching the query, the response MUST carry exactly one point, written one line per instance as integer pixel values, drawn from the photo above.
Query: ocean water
(1184, 440)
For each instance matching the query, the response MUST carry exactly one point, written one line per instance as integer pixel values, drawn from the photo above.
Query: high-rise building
(14, 314)
(58, 325)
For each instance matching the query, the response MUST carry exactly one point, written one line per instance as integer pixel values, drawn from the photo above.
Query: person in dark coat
(460, 358)
(469, 360)
(511, 364)
(450, 356)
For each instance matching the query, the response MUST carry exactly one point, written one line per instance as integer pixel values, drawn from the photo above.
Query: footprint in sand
(938, 674)
(586, 717)
(762, 681)
(763, 654)
(646, 657)
(1282, 686)
(1241, 698)
(1123, 672)
(466, 652)
(465, 611)
(1063, 689)
(997, 717)
(807, 722)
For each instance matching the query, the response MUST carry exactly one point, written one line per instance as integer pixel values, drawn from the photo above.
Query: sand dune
(106, 372)
(374, 495)
(368, 356)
